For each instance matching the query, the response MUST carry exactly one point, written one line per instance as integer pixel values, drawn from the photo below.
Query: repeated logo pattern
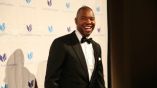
(69, 29)
(30, 55)
(2, 26)
(99, 29)
(30, 84)
(29, 27)
(97, 8)
(67, 4)
(3, 57)
(28, 1)
(50, 28)
(49, 3)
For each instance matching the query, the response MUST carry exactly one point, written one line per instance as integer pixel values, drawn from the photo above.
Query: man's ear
(75, 20)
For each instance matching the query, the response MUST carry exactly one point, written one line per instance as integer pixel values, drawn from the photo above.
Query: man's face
(85, 22)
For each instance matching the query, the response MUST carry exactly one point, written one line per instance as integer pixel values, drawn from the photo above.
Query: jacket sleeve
(54, 64)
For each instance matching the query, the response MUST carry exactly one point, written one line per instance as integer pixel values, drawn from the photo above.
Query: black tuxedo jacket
(66, 66)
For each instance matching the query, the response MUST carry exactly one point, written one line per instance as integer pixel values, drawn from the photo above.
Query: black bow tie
(84, 39)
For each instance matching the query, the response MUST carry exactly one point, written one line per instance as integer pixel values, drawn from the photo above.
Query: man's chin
(88, 34)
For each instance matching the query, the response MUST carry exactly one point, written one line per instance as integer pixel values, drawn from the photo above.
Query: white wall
(27, 29)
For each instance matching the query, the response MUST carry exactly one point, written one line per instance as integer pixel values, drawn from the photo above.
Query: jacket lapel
(95, 48)
(96, 56)
(78, 50)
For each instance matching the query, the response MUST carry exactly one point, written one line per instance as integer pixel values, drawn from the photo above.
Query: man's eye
(92, 18)
(84, 18)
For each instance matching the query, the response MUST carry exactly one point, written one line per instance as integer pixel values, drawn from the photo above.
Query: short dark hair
(83, 8)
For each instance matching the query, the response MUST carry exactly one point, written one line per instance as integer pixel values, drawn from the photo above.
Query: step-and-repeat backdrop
(27, 29)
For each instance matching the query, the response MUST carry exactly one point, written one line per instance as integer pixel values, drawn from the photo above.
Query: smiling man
(85, 21)
(75, 59)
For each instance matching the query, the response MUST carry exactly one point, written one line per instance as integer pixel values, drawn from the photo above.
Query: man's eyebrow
(88, 16)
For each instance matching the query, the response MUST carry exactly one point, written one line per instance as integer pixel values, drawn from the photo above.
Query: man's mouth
(88, 28)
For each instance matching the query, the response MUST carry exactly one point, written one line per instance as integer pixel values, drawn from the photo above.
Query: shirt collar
(79, 36)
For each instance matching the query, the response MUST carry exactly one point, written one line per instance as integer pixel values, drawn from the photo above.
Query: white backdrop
(27, 29)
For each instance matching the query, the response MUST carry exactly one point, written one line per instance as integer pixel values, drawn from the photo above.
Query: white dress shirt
(88, 53)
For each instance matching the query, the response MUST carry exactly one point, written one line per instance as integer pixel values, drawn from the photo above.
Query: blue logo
(28, 1)
(67, 4)
(69, 29)
(30, 55)
(49, 3)
(2, 27)
(99, 29)
(3, 57)
(29, 27)
(50, 28)
(30, 84)
(4, 86)
(97, 8)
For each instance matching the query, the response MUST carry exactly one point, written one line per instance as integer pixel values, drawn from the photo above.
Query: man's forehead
(86, 13)
(84, 9)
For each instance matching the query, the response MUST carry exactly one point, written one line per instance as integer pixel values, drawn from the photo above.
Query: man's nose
(89, 21)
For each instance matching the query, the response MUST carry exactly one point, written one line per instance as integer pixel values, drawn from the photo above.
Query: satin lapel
(96, 56)
(95, 48)
(78, 50)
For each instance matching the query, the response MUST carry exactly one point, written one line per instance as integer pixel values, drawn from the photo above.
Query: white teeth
(87, 27)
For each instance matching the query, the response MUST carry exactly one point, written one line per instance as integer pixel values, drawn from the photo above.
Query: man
(74, 62)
